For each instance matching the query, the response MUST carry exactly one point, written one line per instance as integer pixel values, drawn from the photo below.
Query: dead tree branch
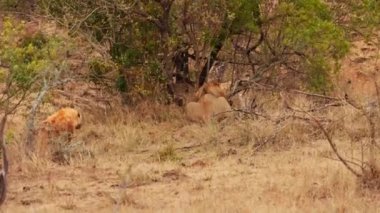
(371, 124)
(315, 95)
(348, 161)
(48, 84)
(333, 146)
(327, 135)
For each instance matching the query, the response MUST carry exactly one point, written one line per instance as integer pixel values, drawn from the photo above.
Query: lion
(196, 112)
(65, 120)
(211, 87)
(219, 106)
(208, 107)
(225, 86)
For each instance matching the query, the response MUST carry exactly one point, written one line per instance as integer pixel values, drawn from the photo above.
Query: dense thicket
(153, 40)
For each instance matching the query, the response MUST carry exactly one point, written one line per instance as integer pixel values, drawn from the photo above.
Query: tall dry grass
(151, 149)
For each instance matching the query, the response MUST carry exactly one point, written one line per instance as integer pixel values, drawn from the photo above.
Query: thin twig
(335, 104)
(187, 147)
(77, 25)
(348, 161)
(370, 121)
(328, 137)
(316, 95)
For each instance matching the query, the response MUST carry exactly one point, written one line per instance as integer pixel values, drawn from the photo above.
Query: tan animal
(211, 87)
(208, 107)
(65, 120)
(225, 86)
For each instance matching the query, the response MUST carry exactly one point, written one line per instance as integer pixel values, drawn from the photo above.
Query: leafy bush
(310, 35)
(29, 61)
(98, 70)
(309, 29)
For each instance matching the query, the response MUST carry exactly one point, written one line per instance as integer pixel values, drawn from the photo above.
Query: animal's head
(213, 88)
(65, 118)
(73, 116)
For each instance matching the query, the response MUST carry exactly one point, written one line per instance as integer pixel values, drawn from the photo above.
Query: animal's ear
(200, 91)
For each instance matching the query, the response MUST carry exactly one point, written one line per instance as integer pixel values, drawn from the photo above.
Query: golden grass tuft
(168, 153)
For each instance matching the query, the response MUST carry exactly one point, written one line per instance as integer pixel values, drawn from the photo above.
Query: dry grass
(163, 163)
(150, 159)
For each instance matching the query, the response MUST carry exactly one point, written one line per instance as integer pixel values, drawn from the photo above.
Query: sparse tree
(27, 65)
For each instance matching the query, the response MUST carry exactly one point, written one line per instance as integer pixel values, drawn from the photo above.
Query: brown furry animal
(208, 107)
(211, 87)
(225, 86)
(219, 106)
(65, 120)
(196, 112)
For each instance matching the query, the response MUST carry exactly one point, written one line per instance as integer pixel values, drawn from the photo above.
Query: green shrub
(30, 60)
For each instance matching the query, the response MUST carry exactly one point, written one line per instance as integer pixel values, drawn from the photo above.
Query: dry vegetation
(149, 158)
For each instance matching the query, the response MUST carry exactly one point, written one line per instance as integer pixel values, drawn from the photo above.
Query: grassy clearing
(163, 163)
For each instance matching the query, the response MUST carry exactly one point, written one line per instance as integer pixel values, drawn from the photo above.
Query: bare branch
(149, 18)
(315, 95)
(348, 161)
(371, 123)
(77, 25)
(328, 137)
(258, 43)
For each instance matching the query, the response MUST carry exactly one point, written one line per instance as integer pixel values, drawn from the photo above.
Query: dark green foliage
(366, 15)
(98, 70)
(308, 34)
(319, 75)
(308, 30)
(246, 15)
(25, 56)
(125, 56)
(38, 40)
(29, 62)
(121, 84)
(154, 73)
(9, 4)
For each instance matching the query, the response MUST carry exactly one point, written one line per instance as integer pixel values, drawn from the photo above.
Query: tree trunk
(165, 31)
(181, 63)
(218, 44)
(30, 137)
(228, 27)
(4, 171)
